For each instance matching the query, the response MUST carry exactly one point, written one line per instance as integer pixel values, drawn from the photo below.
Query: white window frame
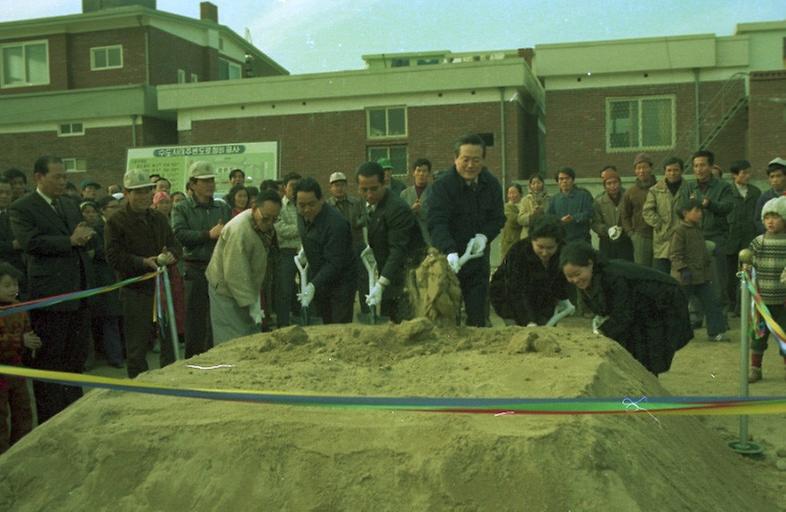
(640, 146)
(72, 165)
(181, 76)
(24, 44)
(70, 132)
(230, 66)
(93, 66)
(387, 123)
(398, 172)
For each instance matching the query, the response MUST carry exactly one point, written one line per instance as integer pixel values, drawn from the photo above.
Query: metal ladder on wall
(721, 109)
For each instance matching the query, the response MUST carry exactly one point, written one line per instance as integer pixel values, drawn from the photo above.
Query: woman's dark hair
(547, 226)
(578, 253)
(6, 269)
(517, 187)
(536, 177)
(230, 197)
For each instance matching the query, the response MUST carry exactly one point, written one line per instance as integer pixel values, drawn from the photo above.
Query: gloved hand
(374, 296)
(307, 295)
(685, 276)
(165, 259)
(615, 232)
(479, 242)
(453, 262)
(301, 257)
(783, 275)
(597, 322)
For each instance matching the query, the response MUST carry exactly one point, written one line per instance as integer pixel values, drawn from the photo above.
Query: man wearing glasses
(239, 266)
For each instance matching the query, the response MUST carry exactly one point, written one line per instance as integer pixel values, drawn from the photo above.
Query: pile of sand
(124, 451)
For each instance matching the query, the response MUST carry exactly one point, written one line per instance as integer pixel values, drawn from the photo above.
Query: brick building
(609, 100)
(83, 86)
(334, 121)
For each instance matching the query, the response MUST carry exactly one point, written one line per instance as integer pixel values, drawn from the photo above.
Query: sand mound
(123, 451)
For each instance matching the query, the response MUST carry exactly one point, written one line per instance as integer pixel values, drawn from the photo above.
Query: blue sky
(307, 36)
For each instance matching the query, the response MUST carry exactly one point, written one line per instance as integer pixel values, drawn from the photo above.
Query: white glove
(374, 296)
(307, 295)
(165, 259)
(561, 310)
(301, 258)
(597, 321)
(783, 275)
(615, 232)
(479, 242)
(453, 262)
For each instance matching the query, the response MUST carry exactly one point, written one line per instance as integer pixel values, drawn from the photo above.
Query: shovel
(302, 266)
(367, 257)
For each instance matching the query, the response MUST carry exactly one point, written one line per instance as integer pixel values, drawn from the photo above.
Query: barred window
(645, 123)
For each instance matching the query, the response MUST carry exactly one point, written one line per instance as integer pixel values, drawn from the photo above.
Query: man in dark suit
(466, 208)
(53, 237)
(394, 237)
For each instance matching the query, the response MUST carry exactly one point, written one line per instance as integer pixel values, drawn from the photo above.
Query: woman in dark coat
(643, 310)
(529, 283)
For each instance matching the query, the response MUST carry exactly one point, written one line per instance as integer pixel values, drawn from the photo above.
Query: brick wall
(168, 53)
(576, 128)
(103, 148)
(767, 116)
(58, 70)
(318, 144)
(132, 72)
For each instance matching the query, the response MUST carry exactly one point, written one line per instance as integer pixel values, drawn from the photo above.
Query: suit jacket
(53, 266)
(7, 251)
(395, 238)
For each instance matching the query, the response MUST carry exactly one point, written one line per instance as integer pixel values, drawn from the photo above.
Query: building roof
(133, 15)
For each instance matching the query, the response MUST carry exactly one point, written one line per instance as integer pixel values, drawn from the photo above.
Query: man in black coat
(327, 244)
(466, 207)
(53, 237)
(394, 238)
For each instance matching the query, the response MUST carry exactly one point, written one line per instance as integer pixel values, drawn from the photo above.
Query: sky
(312, 36)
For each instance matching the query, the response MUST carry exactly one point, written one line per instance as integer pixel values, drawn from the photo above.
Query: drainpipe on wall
(502, 145)
(133, 130)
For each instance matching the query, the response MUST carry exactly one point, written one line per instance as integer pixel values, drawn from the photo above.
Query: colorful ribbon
(44, 302)
(760, 313)
(498, 406)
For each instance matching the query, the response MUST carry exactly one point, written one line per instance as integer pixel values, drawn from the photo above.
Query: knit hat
(609, 174)
(776, 205)
(642, 157)
(160, 196)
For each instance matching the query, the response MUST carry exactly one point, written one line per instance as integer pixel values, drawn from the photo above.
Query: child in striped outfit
(769, 257)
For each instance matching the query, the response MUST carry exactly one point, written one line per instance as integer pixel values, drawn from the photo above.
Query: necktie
(58, 209)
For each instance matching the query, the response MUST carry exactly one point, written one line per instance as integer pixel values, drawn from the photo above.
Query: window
(228, 70)
(640, 123)
(75, 164)
(25, 64)
(428, 62)
(396, 154)
(399, 63)
(106, 57)
(387, 122)
(181, 76)
(70, 129)
(194, 77)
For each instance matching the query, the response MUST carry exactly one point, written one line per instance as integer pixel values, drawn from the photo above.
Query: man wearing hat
(139, 239)
(197, 222)
(89, 190)
(614, 242)
(240, 266)
(351, 208)
(395, 186)
(633, 223)
(54, 240)
(776, 175)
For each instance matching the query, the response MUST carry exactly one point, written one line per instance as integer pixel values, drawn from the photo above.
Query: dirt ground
(123, 451)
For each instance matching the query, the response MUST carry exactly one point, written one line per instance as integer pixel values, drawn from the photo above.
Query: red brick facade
(318, 144)
(767, 116)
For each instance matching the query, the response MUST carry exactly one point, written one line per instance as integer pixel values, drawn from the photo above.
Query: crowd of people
(263, 258)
